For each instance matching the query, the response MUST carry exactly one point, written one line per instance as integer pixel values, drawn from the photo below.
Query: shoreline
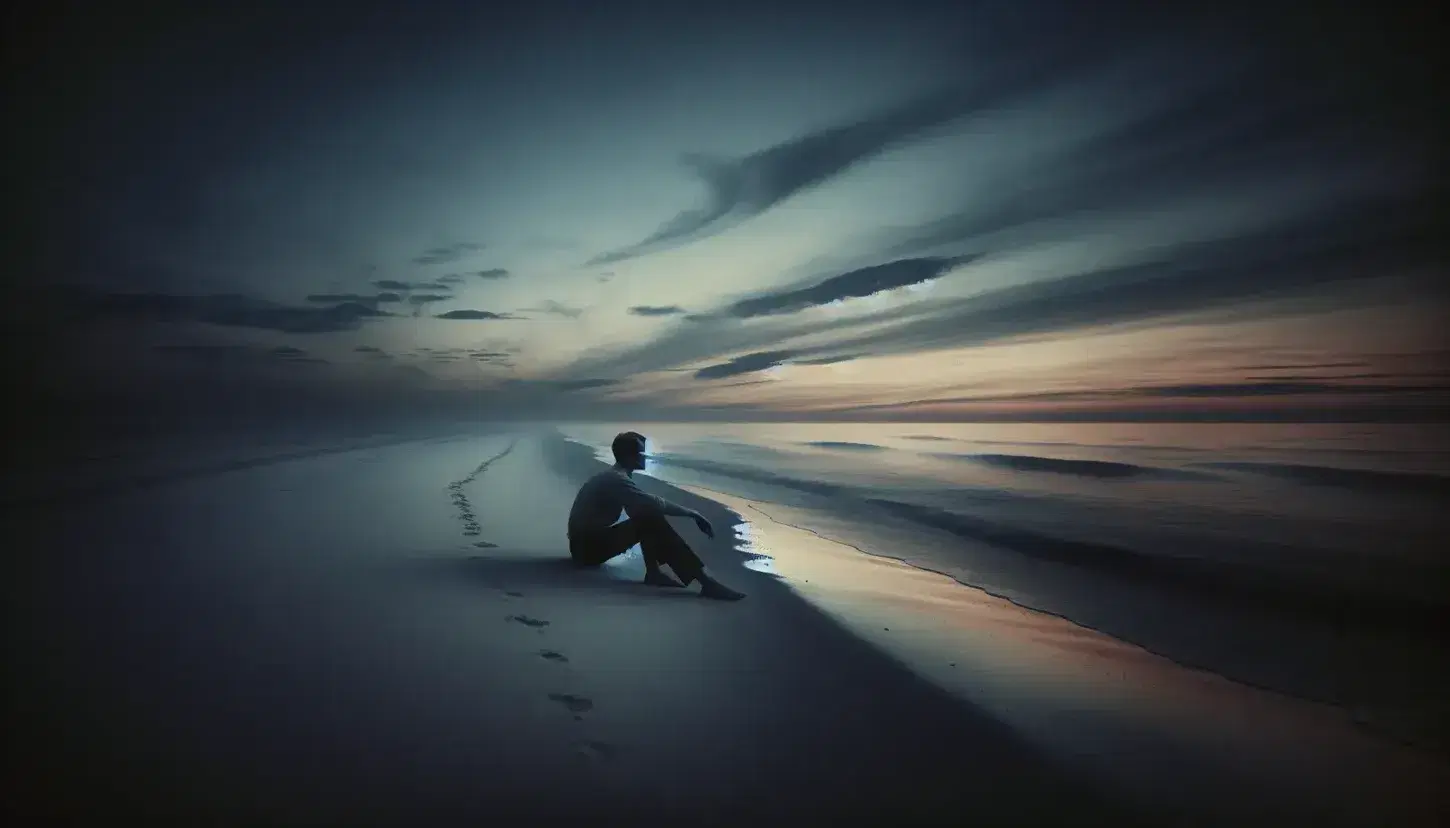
(1378, 678)
(1434, 750)
(1116, 693)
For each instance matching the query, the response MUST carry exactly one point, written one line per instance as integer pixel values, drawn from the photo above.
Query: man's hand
(703, 523)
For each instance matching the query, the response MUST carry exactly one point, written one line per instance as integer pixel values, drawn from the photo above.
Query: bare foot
(660, 579)
(719, 592)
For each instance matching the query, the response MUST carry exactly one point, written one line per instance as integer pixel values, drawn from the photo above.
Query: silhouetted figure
(595, 537)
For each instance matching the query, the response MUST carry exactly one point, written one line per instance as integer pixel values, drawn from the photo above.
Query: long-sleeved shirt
(606, 494)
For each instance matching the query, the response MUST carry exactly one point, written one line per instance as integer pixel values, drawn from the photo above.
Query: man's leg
(615, 540)
(661, 544)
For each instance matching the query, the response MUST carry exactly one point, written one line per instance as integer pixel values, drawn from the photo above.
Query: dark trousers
(657, 539)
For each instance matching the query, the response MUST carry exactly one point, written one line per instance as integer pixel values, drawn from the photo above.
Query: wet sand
(1174, 738)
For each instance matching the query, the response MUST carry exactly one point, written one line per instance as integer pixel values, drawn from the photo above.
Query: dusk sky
(647, 210)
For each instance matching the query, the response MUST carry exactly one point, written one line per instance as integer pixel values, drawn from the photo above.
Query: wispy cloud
(474, 315)
(852, 285)
(1190, 278)
(584, 384)
(1303, 255)
(828, 360)
(364, 298)
(747, 364)
(656, 310)
(400, 286)
(493, 273)
(552, 308)
(740, 188)
(447, 253)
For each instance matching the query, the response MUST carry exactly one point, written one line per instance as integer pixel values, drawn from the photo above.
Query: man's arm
(639, 503)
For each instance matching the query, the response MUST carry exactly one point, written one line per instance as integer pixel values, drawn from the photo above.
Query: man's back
(604, 496)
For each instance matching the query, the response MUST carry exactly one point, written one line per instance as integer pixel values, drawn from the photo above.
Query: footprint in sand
(578, 705)
(527, 621)
(550, 655)
(471, 527)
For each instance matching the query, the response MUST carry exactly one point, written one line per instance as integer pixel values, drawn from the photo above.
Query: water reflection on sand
(1143, 722)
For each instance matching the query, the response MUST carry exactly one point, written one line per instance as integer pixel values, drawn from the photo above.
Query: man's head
(628, 448)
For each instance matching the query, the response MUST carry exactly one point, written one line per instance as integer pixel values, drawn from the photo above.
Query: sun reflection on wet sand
(1162, 731)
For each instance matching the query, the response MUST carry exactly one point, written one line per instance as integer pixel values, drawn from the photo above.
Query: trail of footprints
(460, 499)
(577, 706)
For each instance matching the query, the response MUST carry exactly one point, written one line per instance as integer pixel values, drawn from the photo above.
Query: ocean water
(1309, 559)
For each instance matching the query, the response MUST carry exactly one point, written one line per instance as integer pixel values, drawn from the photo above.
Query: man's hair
(626, 445)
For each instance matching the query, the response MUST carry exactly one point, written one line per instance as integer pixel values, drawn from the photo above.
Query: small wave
(1102, 469)
(1378, 480)
(846, 446)
(756, 476)
(1229, 583)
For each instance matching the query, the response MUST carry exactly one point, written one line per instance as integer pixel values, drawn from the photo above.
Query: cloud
(828, 360)
(740, 188)
(1270, 271)
(490, 356)
(1261, 137)
(749, 363)
(493, 273)
(851, 285)
(450, 279)
(225, 310)
(584, 384)
(1279, 263)
(656, 310)
(553, 308)
(398, 287)
(447, 253)
(363, 298)
(420, 299)
(474, 315)
(372, 351)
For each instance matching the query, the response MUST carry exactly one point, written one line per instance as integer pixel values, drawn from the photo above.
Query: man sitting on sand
(595, 537)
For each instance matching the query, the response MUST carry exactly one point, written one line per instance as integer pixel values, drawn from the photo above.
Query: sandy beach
(320, 640)
(393, 635)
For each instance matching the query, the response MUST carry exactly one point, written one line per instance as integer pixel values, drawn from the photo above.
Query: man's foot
(660, 579)
(718, 591)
